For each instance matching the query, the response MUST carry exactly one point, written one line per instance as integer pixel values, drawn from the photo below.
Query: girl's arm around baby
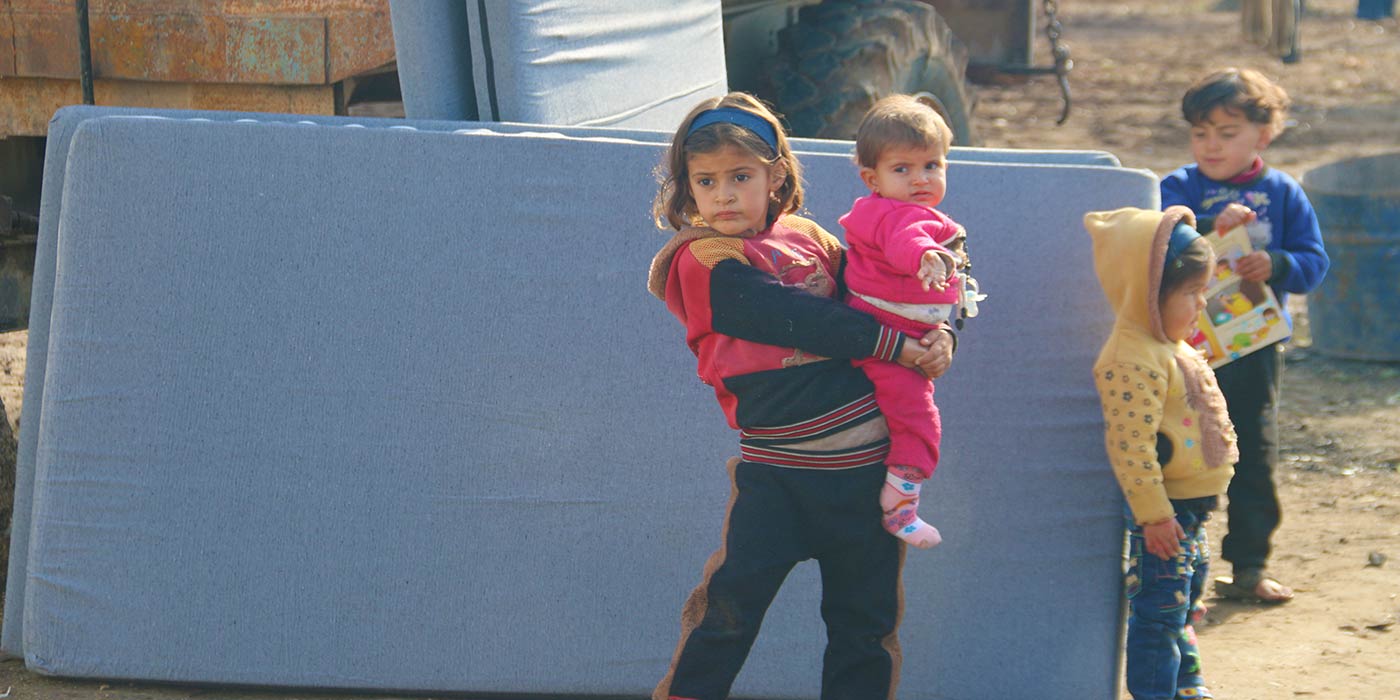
(750, 304)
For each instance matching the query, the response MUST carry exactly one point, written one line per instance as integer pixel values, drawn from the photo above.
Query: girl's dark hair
(674, 205)
(1189, 265)
(1242, 90)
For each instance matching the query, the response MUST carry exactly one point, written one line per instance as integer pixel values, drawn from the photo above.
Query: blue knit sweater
(1287, 226)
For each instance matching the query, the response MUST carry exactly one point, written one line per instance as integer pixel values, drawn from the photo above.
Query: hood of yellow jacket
(1130, 252)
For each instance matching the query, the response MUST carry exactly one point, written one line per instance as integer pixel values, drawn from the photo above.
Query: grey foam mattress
(61, 130)
(322, 408)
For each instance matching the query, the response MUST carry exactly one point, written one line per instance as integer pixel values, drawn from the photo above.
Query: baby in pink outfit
(906, 266)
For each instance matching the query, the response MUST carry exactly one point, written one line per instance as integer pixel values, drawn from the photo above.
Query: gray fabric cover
(432, 52)
(306, 423)
(632, 63)
(636, 64)
(61, 128)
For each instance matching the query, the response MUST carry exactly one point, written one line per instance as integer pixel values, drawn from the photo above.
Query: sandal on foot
(1196, 693)
(1245, 586)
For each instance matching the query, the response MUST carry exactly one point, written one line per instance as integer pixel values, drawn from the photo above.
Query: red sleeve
(742, 302)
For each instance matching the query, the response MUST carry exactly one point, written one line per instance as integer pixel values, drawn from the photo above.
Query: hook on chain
(1060, 52)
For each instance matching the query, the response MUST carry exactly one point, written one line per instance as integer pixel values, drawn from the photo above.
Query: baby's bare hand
(933, 272)
(937, 284)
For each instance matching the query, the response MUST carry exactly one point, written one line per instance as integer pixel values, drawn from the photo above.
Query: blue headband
(1182, 237)
(738, 117)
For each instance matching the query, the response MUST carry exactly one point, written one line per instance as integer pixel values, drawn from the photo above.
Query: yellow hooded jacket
(1154, 391)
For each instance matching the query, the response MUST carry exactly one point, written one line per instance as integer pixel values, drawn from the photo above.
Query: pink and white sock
(899, 500)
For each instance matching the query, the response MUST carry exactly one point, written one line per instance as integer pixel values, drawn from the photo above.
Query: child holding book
(1234, 115)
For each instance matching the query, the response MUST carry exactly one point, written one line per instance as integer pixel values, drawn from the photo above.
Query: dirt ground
(1340, 420)
(1339, 546)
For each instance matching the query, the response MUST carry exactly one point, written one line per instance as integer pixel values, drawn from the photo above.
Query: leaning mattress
(387, 409)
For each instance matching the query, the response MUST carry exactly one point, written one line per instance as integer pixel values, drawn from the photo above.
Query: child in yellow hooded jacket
(1167, 433)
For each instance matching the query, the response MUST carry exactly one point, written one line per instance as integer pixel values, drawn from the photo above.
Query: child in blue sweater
(1234, 115)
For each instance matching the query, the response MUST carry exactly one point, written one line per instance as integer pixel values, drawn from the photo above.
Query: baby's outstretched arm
(933, 270)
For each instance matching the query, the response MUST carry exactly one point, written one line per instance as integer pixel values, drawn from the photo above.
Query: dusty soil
(1339, 545)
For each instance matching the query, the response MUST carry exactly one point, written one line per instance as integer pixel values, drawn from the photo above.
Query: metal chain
(1063, 64)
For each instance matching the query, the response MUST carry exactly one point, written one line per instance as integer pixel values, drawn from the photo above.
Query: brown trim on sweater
(699, 601)
(661, 263)
(891, 640)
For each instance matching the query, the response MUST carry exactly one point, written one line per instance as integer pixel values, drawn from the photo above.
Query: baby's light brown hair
(900, 120)
(1243, 90)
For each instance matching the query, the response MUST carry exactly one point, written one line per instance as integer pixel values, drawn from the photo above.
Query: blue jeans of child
(1161, 649)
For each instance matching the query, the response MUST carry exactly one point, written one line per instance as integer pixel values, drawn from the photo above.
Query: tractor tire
(8, 456)
(838, 58)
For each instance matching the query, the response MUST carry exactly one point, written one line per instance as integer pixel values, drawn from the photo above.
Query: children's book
(1240, 316)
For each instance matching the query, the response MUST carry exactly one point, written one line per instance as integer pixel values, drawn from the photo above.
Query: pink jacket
(887, 238)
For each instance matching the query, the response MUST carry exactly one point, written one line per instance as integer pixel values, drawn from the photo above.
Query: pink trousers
(905, 396)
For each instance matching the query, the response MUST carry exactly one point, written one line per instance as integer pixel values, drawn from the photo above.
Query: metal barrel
(1355, 312)
(1375, 9)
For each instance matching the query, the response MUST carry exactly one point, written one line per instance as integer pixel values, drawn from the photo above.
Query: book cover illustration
(1240, 316)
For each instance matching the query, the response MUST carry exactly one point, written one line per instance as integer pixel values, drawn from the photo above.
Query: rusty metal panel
(235, 41)
(359, 43)
(27, 103)
(328, 8)
(7, 44)
(281, 99)
(274, 50)
(44, 49)
(175, 48)
(121, 6)
(231, 8)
